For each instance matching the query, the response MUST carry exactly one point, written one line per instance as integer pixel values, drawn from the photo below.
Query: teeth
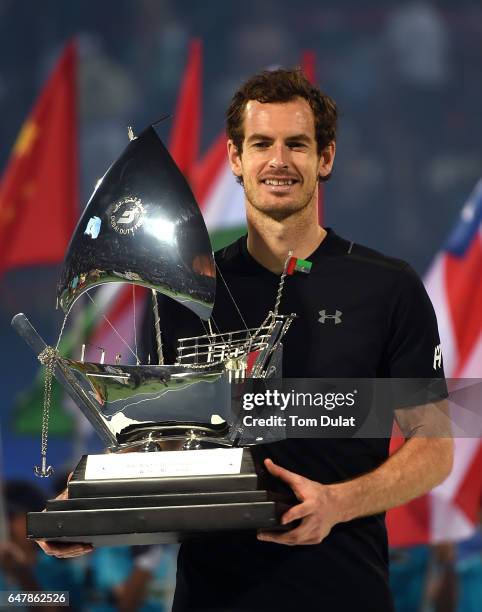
(277, 182)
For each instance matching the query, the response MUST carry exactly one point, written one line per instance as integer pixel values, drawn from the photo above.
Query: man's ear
(234, 159)
(326, 160)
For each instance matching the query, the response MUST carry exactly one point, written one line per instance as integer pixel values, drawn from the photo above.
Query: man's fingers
(64, 549)
(63, 495)
(68, 553)
(291, 538)
(290, 478)
(307, 533)
(296, 512)
(272, 536)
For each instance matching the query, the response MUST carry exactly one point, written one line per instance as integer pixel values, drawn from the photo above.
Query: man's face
(279, 163)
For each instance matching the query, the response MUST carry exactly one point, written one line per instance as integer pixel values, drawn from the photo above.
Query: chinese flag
(38, 190)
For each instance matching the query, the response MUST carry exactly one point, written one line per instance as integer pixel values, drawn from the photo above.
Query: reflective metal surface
(131, 402)
(137, 406)
(143, 226)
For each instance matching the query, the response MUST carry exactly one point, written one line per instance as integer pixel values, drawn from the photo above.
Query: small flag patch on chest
(298, 265)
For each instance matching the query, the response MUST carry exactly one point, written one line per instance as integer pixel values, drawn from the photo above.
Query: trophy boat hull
(136, 405)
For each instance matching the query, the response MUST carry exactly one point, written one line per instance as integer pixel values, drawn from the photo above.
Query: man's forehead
(294, 117)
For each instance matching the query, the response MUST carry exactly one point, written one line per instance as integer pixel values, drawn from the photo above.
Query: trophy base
(156, 510)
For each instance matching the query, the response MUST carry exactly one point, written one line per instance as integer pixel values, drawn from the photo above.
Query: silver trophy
(142, 226)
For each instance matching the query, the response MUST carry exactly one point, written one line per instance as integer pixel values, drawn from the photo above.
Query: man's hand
(64, 550)
(418, 466)
(317, 510)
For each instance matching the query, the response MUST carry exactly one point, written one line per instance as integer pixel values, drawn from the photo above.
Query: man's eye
(297, 145)
(261, 145)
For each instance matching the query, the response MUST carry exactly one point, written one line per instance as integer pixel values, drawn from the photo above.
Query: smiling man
(279, 152)
(279, 162)
(281, 133)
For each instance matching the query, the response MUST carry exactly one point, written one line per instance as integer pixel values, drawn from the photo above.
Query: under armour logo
(336, 317)
(437, 357)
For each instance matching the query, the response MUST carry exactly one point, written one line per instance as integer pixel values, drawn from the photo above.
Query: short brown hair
(282, 86)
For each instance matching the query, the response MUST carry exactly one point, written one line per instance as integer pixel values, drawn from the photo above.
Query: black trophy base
(140, 511)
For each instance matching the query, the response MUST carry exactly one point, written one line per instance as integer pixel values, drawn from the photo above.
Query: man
(281, 134)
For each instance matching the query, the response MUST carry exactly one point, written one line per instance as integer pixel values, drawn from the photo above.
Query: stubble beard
(284, 210)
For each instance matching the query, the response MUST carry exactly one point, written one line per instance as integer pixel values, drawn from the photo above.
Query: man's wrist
(343, 498)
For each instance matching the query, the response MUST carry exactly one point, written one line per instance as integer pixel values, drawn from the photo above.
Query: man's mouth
(279, 182)
(280, 186)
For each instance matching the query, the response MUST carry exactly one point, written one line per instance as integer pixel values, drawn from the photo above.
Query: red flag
(39, 188)
(220, 197)
(184, 141)
(205, 171)
(308, 65)
(451, 511)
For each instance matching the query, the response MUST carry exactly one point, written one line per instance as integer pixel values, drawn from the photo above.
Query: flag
(298, 265)
(450, 512)
(39, 205)
(185, 134)
(39, 187)
(220, 197)
(308, 65)
(119, 313)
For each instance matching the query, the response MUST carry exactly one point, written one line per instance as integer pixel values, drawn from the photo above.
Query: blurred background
(406, 78)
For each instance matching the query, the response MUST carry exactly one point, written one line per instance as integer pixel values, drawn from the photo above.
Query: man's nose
(279, 157)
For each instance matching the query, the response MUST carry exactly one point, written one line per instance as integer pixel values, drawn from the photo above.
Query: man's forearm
(418, 466)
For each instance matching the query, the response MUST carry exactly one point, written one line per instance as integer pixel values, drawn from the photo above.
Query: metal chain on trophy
(47, 358)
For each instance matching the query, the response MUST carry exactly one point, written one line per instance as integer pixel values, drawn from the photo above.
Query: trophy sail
(142, 226)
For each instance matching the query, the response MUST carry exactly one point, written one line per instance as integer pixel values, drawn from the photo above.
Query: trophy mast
(157, 323)
(157, 328)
